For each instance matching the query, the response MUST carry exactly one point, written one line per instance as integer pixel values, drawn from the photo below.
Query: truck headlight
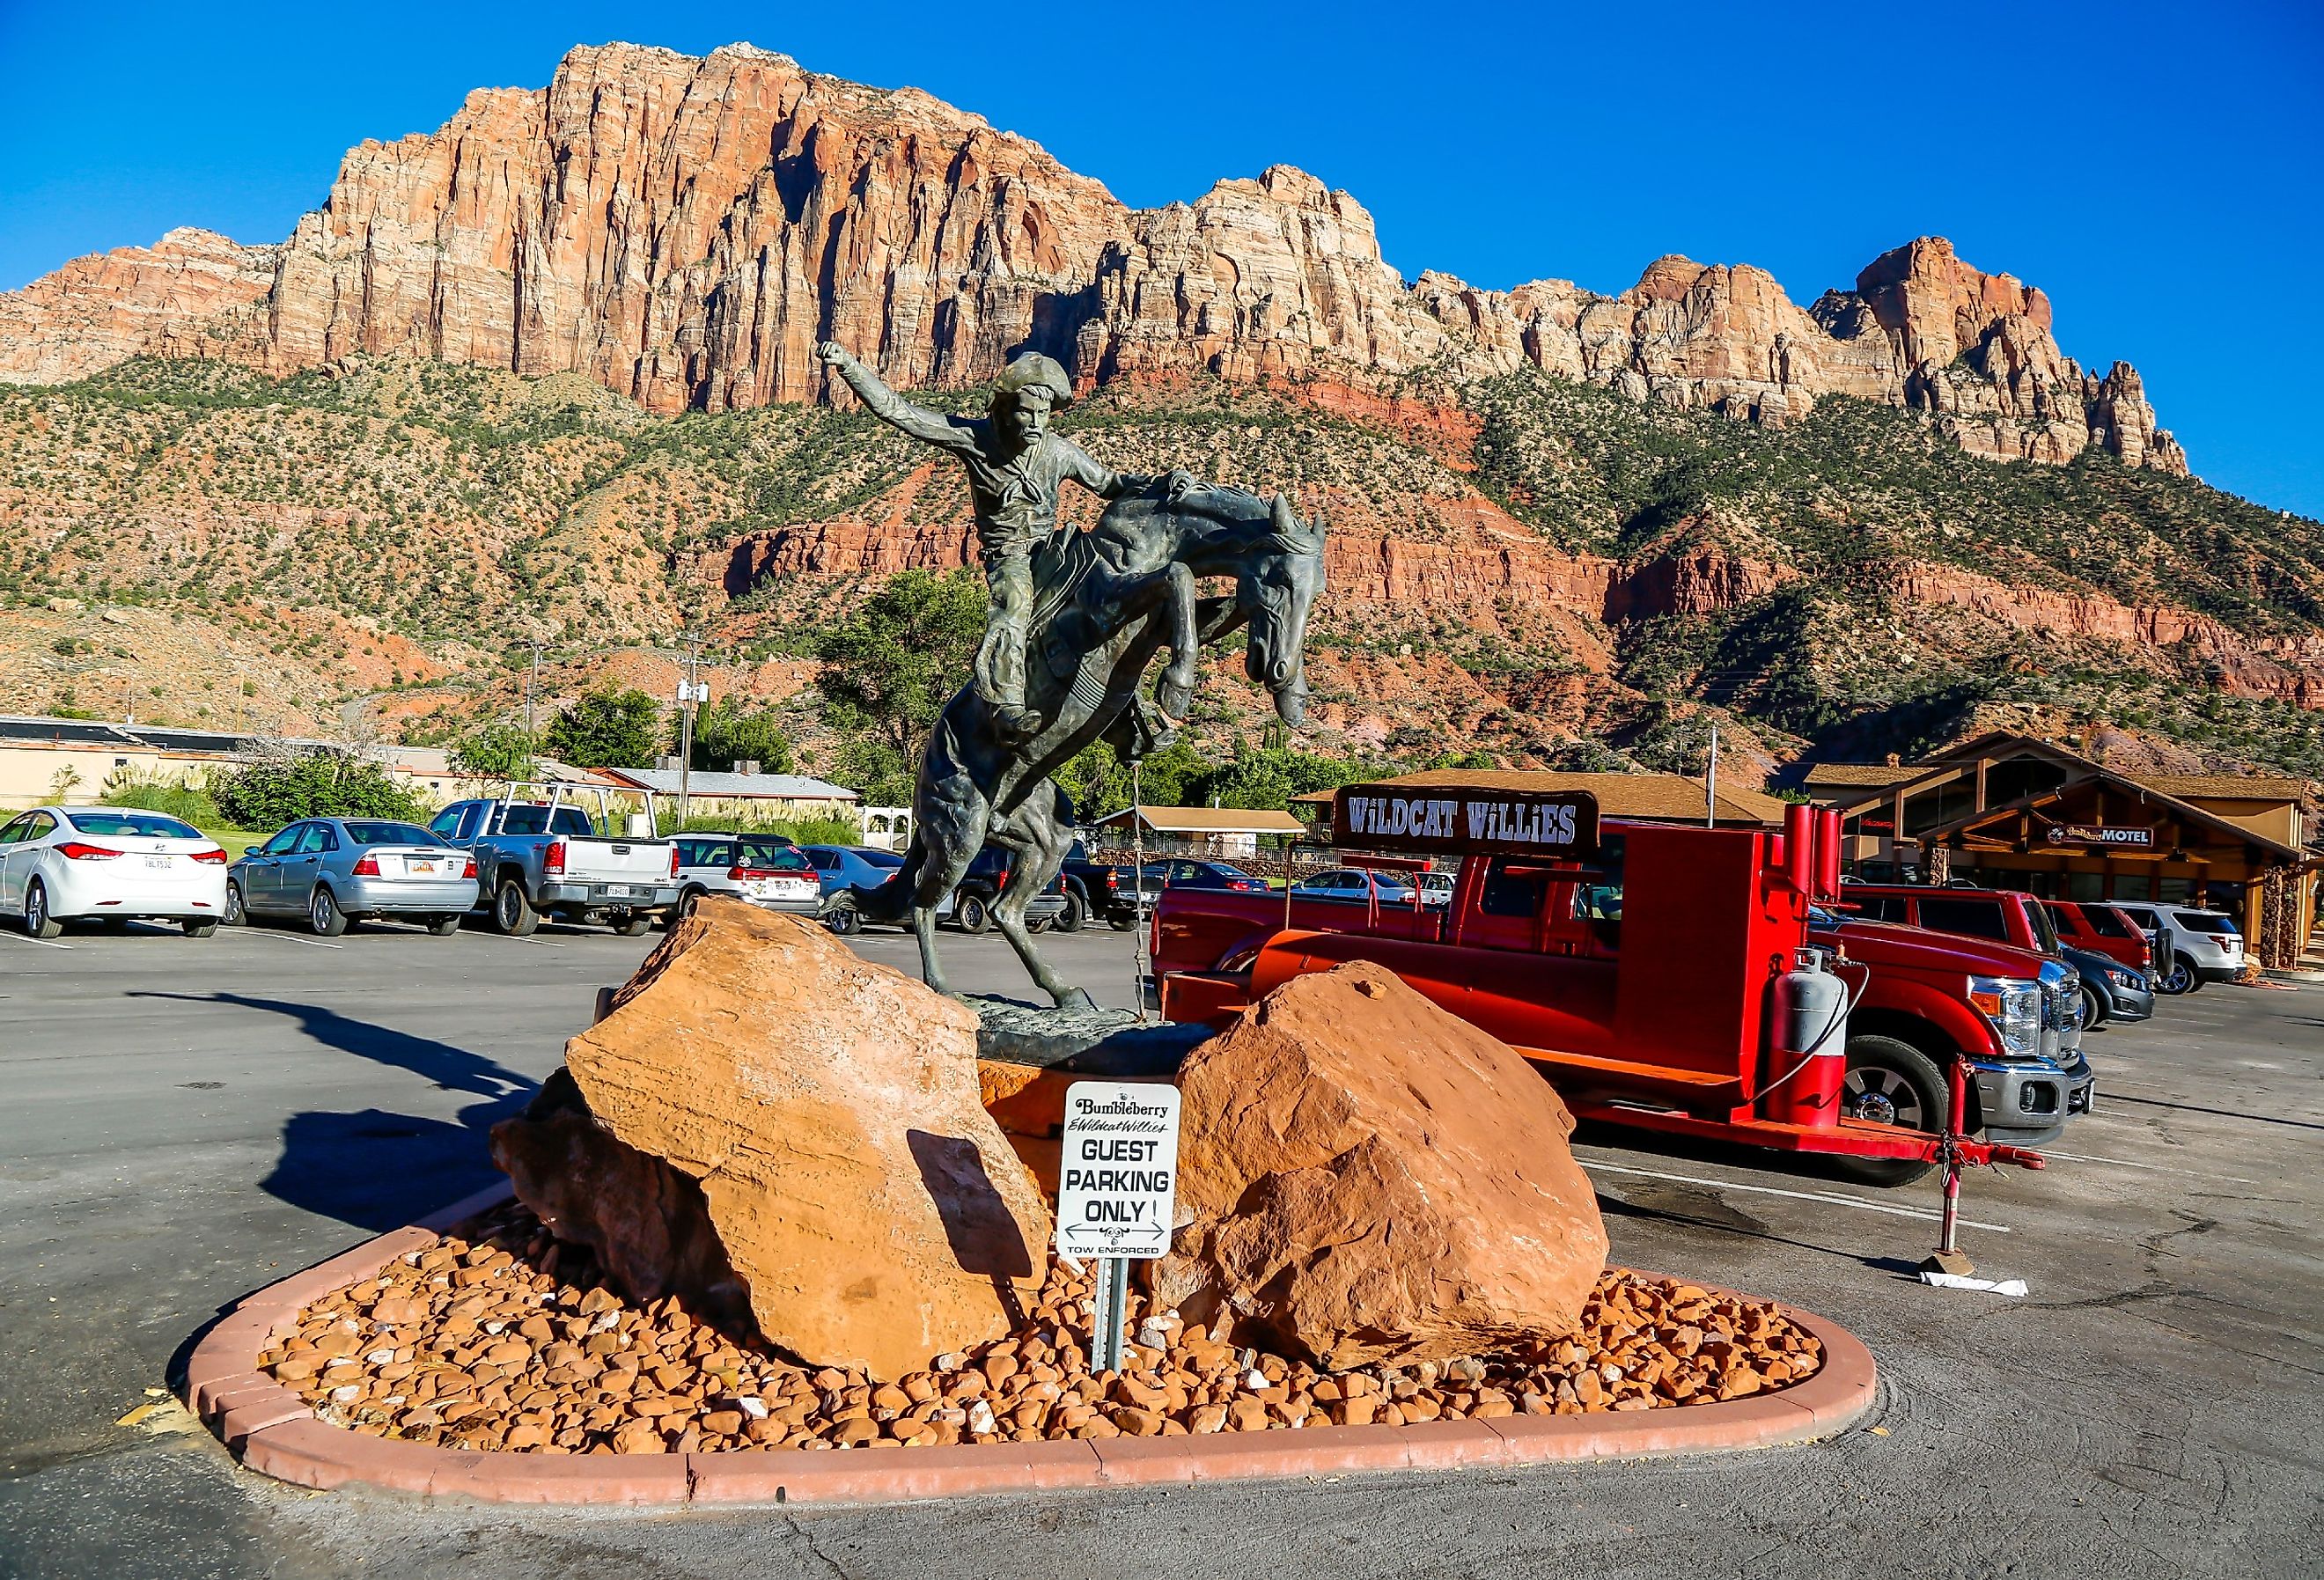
(2012, 1007)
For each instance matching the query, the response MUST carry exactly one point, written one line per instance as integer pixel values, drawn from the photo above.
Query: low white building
(1218, 831)
(787, 796)
(44, 760)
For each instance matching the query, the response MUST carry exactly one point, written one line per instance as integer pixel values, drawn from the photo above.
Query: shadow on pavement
(374, 1169)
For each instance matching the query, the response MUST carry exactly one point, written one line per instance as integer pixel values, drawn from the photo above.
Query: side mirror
(249, 850)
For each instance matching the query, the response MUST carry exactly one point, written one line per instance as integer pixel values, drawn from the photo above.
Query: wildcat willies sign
(1452, 820)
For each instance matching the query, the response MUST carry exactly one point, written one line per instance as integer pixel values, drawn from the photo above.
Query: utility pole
(1711, 783)
(689, 692)
(531, 683)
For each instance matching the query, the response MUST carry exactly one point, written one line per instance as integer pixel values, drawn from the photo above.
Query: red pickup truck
(1646, 980)
(2102, 930)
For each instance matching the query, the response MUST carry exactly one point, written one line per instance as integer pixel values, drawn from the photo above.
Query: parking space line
(2157, 1168)
(254, 932)
(1832, 1198)
(43, 943)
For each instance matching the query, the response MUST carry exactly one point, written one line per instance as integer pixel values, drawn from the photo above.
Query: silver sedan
(331, 871)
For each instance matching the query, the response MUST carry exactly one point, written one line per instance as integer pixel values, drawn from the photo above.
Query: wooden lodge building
(2013, 812)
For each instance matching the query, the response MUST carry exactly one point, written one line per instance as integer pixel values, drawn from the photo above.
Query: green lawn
(234, 838)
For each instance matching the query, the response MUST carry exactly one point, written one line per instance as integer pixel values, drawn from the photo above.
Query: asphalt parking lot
(187, 1120)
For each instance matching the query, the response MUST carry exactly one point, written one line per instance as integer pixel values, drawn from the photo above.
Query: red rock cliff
(684, 230)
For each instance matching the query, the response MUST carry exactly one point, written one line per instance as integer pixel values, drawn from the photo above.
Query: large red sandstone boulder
(647, 1222)
(827, 1106)
(1363, 1177)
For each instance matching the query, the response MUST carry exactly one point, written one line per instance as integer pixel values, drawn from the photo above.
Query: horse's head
(1275, 587)
(1276, 561)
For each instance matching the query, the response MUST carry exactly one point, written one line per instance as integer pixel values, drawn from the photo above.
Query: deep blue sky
(2157, 169)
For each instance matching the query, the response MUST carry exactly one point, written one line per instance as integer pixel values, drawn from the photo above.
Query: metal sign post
(1109, 1313)
(1117, 1197)
(1139, 963)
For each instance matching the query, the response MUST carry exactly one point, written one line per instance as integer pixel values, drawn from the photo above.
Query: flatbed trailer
(1653, 972)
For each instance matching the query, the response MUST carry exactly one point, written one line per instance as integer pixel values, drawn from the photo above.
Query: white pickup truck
(539, 853)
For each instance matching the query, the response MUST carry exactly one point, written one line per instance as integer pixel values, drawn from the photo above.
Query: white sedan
(111, 865)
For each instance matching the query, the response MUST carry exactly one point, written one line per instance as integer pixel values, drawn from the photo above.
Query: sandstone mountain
(684, 231)
(545, 376)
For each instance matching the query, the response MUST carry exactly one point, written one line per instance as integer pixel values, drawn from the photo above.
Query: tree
(1097, 781)
(723, 735)
(889, 668)
(1170, 777)
(1267, 778)
(495, 752)
(608, 729)
(276, 790)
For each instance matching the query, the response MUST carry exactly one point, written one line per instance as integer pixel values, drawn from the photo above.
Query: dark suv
(981, 885)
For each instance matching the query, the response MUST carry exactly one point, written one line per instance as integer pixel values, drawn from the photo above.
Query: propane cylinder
(1807, 1032)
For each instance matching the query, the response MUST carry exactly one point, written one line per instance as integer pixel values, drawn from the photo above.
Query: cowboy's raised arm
(934, 427)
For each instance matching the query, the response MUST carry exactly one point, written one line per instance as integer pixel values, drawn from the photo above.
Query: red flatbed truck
(1653, 972)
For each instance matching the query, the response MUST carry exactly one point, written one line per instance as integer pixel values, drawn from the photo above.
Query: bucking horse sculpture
(1106, 603)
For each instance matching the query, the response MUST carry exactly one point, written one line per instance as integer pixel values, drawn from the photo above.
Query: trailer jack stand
(1948, 1257)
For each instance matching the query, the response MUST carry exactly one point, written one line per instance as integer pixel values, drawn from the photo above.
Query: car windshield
(1227, 870)
(775, 858)
(2107, 922)
(880, 858)
(2046, 928)
(2206, 921)
(389, 833)
(131, 824)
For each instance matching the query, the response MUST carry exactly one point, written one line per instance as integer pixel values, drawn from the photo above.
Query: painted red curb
(270, 1428)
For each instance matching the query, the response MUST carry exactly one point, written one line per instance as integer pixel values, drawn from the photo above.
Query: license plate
(420, 869)
(755, 891)
(620, 890)
(157, 861)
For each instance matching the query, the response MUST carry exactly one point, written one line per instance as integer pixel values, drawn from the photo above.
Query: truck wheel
(1890, 1082)
(2180, 979)
(632, 925)
(972, 914)
(443, 926)
(198, 926)
(1123, 924)
(1076, 912)
(1039, 924)
(512, 912)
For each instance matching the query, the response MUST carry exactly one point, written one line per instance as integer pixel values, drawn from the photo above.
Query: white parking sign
(1117, 1178)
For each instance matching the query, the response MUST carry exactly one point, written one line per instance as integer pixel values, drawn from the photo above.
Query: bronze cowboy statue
(1074, 623)
(1015, 467)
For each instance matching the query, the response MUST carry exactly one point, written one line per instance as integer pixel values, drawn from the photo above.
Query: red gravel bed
(499, 1338)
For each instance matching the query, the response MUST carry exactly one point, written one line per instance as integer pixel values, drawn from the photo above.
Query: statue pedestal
(1091, 1042)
